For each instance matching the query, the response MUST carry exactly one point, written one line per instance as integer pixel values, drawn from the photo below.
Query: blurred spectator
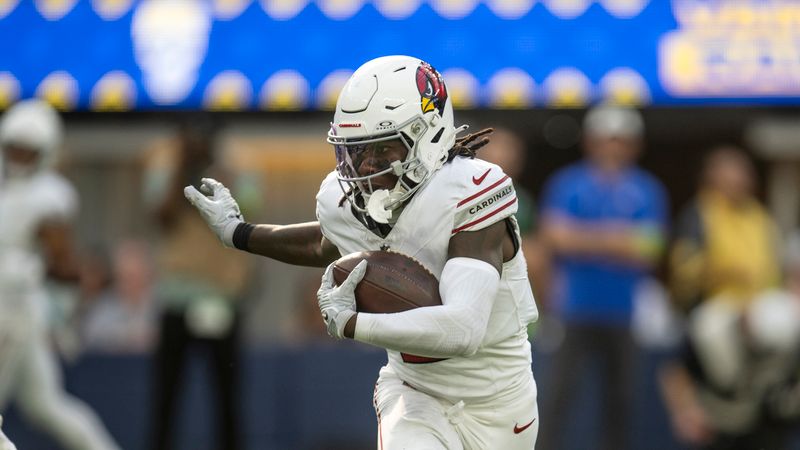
(37, 210)
(95, 276)
(199, 286)
(736, 387)
(725, 241)
(122, 318)
(508, 150)
(305, 326)
(734, 384)
(603, 219)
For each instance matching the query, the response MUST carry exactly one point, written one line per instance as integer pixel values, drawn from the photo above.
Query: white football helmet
(388, 98)
(773, 321)
(34, 125)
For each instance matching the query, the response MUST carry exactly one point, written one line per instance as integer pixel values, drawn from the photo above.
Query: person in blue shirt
(603, 220)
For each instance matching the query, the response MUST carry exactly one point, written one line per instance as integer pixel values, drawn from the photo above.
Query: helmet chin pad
(376, 206)
(385, 206)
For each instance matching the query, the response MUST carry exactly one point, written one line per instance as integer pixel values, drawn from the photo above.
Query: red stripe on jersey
(378, 413)
(472, 197)
(380, 433)
(511, 202)
(414, 359)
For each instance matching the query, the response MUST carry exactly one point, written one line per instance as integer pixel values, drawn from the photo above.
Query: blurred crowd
(714, 289)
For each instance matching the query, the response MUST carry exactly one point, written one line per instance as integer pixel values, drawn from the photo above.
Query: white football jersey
(464, 195)
(25, 204)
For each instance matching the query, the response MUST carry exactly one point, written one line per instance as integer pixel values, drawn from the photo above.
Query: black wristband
(241, 235)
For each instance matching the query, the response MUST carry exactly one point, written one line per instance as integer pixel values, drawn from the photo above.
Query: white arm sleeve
(468, 287)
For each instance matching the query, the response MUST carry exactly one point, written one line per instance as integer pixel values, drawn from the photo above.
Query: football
(393, 282)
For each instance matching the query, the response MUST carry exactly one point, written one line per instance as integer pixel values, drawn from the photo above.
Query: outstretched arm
(57, 242)
(301, 244)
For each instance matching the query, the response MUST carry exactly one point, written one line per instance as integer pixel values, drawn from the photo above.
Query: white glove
(219, 209)
(5, 443)
(338, 304)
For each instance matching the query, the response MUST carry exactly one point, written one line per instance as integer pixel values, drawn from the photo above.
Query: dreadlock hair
(470, 144)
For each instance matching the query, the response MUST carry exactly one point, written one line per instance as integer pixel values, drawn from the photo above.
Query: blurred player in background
(199, 286)
(604, 221)
(37, 207)
(5, 442)
(459, 375)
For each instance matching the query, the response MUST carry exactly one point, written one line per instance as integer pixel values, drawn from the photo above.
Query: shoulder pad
(486, 195)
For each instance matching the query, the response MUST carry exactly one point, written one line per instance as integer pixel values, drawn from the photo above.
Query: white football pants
(29, 375)
(412, 420)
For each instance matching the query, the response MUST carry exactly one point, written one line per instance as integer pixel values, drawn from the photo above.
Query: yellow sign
(6, 6)
(54, 9)
(511, 88)
(462, 88)
(59, 89)
(9, 89)
(116, 91)
(228, 91)
(741, 63)
(736, 48)
(567, 88)
(285, 90)
(329, 88)
(111, 9)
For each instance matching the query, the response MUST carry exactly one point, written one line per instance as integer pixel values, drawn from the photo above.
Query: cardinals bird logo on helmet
(431, 87)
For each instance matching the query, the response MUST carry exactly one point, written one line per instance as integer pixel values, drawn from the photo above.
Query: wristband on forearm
(241, 235)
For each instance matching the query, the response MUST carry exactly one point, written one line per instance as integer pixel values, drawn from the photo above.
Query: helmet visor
(372, 166)
(19, 153)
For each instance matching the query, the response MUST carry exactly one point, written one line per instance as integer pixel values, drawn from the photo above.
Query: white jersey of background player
(459, 375)
(36, 208)
(5, 442)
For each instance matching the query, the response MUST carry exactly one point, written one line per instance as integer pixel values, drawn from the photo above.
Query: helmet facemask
(379, 173)
(19, 161)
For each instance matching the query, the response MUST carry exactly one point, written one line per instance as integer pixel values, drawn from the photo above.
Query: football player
(459, 375)
(5, 442)
(36, 207)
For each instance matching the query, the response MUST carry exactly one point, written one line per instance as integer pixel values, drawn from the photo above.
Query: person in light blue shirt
(604, 221)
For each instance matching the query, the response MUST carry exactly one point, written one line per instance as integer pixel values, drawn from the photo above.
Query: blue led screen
(296, 54)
